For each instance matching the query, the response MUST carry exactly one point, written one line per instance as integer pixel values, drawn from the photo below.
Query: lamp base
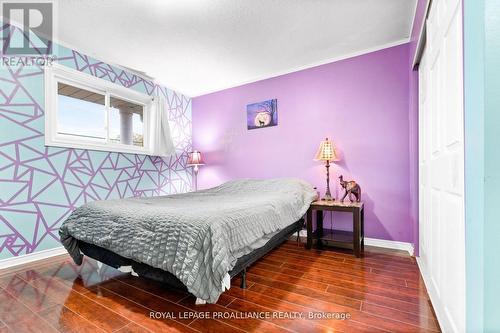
(195, 178)
(328, 197)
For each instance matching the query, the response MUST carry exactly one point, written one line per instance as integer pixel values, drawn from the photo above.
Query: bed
(196, 241)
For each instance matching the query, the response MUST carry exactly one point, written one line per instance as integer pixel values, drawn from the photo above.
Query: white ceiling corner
(201, 46)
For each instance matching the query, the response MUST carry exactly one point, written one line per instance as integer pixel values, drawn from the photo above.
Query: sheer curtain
(161, 137)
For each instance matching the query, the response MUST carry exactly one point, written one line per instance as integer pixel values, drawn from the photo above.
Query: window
(80, 113)
(126, 122)
(83, 111)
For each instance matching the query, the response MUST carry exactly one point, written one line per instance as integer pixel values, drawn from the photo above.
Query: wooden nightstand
(354, 240)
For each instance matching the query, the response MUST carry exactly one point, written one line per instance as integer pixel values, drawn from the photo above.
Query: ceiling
(201, 46)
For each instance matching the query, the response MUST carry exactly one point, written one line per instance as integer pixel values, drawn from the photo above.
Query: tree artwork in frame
(262, 114)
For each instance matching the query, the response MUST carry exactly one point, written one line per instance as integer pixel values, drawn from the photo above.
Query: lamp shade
(326, 151)
(194, 158)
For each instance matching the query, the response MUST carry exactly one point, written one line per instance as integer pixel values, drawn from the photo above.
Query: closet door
(441, 169)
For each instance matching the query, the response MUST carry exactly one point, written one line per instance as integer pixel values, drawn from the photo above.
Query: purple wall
(361, 103)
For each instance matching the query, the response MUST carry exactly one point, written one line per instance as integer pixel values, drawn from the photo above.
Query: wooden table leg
(319, 228)
(356, 219)
(309, 228)
(363, 230)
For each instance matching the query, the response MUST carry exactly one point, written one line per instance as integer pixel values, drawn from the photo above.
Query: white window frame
(58, 73)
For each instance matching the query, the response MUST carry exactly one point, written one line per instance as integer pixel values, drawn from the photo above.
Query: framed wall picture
(262, 114)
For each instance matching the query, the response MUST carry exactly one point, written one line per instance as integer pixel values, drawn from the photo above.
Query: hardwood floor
(381, 292)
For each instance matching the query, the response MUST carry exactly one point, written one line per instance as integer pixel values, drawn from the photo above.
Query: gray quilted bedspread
(196, 236)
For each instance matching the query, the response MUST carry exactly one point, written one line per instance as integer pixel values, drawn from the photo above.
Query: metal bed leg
(298, 231)
(244, 279)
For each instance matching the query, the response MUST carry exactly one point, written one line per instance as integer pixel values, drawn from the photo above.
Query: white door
(441, 169)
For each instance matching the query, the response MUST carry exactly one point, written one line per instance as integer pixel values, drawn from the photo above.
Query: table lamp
(195, 160)
(326, 152)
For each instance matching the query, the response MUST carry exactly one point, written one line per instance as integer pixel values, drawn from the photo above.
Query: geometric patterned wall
(40, 186)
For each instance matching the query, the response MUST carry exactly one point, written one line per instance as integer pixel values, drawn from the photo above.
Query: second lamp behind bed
(195, 160)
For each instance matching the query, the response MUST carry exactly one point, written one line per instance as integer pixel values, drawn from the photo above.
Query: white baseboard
(388, 244)
(31, 257)
(44, 254)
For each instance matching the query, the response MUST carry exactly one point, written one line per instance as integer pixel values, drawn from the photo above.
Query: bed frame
(114, 260)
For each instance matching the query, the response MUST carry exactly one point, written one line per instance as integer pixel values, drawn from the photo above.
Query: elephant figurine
(351, 188)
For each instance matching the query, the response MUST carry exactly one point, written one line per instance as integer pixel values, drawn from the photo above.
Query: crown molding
(308, 66)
